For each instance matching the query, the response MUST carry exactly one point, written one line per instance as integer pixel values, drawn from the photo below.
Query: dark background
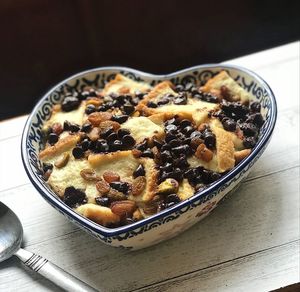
(43, 42)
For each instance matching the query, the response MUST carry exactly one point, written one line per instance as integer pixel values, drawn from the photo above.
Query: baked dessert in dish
(122, 153)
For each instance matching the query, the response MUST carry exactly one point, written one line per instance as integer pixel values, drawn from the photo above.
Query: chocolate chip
(255, 107)
(116, 145)
(102, 201)
(191, 175)
(151, 104)
(66, 126)
(249, 142)
(209, 176)
(83, 95)
(215, 176)
(142, 146)
(47, 166)
(157, 143)
(219, 114)
(196, 134)
(165, 147)
(140, 171)
(120, 98)
(116, 104)
(52, 138)
(166, 167)
(120, 118)
(147, 153)
(163, 101)
(209, 140)
(171, 121)
(184, 149)
(90, 109)
(175, 143)
(229, 124)
(111, 138)
(101, 146)
(70, 103)
(74, 197)
(176, 174)
(181, 162)
(86, 128)
(74, 128)
(258, 119)
(234, 110)
(106, 132)
(92, 146)
(171, 128)
(103, 108)
(165, 156)
(122, 187)
(184, 123)
(188, 130)
(139, 94)
(78, 152)
(128, 141)
(85, 144)
(180, 101)
(169, 137)
(135, 101)
(123, 132)
(249, 129)
(179, 88)
(172, 198)
(128, 109)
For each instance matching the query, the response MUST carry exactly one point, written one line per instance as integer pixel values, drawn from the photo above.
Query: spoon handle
(52, 272)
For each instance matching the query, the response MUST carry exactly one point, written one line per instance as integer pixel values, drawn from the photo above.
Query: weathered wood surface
(249, 243)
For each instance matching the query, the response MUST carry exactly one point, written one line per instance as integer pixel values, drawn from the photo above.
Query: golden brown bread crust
(64, 144)
(194, 110)
(214, 85)
(241, 154)
(121, 84)
(144, 127)
(99, 214)
(96, 160)
(225, 149)
(159, 90)
(185, 190)
(151, 179)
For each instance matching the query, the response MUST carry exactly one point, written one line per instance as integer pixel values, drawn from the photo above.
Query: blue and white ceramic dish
(178, 218)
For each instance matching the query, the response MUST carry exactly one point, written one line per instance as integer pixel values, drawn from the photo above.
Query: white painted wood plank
(262, 214)
(12, 127)
(262, 271)
(279, 67)
(11, 166)
(267, 58)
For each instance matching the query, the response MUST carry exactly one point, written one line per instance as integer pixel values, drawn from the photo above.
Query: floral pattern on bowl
(180, 217)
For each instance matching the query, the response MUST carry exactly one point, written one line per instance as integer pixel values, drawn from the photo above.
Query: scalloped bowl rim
(109, 232)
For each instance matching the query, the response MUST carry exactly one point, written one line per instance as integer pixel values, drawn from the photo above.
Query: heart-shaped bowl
(181, 216)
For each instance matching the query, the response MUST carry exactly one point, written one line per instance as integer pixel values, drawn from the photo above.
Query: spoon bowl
(11, 236)
(11, 233)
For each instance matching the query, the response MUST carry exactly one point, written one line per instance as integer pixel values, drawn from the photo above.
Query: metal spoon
(11, 236)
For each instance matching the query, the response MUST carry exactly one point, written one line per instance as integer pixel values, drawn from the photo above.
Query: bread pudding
(124, 152)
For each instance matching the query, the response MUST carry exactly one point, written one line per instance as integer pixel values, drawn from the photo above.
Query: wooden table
(249, 243)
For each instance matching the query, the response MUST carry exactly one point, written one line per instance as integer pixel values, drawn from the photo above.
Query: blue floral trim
(32, 137)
